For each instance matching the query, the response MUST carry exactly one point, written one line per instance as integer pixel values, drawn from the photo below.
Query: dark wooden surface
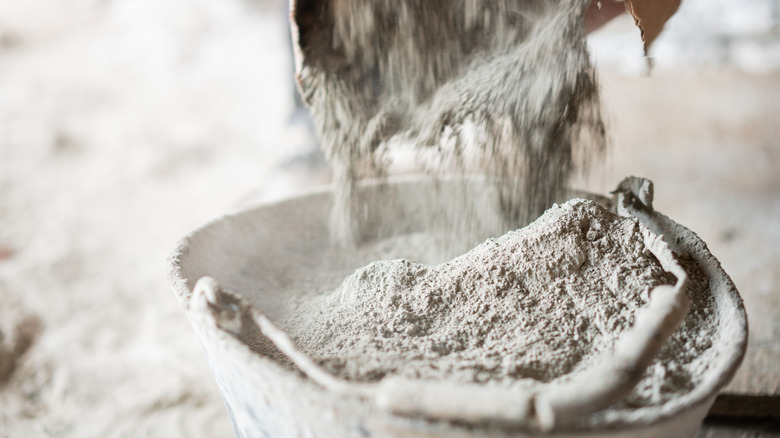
(739, 428)
(734, 406)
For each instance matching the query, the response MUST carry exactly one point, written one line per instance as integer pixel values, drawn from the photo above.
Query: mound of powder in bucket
(536, 304)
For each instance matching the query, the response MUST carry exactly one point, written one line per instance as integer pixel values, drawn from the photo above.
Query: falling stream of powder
(500, 88)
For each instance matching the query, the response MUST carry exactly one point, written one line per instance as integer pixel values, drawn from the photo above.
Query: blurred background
(125, 124)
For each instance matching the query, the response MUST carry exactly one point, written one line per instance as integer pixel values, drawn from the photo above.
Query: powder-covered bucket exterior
(265, 256)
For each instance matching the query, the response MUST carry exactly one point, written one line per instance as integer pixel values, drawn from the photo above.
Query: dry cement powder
(503, 88)
(528, 307)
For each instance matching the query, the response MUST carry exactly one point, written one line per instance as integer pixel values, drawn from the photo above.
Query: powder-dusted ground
(125, 124)
(537, 303)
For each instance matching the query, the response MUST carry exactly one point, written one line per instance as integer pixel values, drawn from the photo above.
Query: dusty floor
(125, 124)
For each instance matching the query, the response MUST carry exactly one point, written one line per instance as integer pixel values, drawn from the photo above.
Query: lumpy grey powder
(503, 89)
(531, 306)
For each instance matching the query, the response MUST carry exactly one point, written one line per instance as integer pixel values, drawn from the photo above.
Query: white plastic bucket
(259, 261)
